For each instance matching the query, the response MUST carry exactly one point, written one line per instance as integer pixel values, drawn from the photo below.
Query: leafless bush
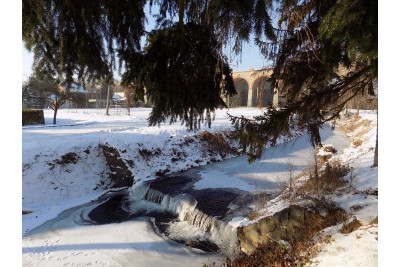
(260, 201)
(357, 142)
(149, 153)
(316, 192)
(349, 227)
(217, 142)
(325, 180)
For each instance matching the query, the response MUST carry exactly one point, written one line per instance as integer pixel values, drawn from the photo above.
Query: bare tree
(51, 93)
(127, 94)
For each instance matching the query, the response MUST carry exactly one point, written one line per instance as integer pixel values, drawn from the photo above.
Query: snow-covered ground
(49, 188)
(358, 248)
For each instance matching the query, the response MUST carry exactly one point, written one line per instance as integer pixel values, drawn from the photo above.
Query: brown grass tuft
(374, 221)
(217, 142)
(357, 142)
(347, 228)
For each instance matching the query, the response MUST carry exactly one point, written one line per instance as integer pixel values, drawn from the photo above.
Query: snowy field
(48, 190)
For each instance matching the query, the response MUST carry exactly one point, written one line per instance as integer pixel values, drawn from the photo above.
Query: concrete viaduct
(253, 90)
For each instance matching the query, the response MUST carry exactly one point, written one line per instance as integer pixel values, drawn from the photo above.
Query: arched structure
(242, 89)
(259, 89)
(262, 94)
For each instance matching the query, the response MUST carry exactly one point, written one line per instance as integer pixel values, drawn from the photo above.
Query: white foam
(184, 206)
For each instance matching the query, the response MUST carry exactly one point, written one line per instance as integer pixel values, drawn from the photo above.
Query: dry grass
(217, 142)
(354, 124)
(297, 250)
(357, 142)
(273, 254)
(349, 227)
(253, 215)
(68, 158)
(329, 148)
(374, 221)
(301, 246)
(325, 180)
(362, 132)
(260, 201)
(147, 154)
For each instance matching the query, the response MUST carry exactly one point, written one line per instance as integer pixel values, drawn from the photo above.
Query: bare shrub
(149, 153)
(329, 148)
(374, 221)
(356, 208)
(357, 142)
(353, 179)
(325, 180)
(70, 157)
(272, 254)
(349, 227)
(304, 243)
(287, 181)
(260, 201)
(217, 142)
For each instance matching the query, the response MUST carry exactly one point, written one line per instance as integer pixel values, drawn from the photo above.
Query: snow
(359, 248)
(217, 179)
(48, 192)
(48, 189)
(268, 172)
(131, 243)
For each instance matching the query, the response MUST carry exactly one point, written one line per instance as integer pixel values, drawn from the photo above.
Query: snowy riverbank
(48, 191)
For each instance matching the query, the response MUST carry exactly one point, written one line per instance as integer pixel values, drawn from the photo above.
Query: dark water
(213, 202)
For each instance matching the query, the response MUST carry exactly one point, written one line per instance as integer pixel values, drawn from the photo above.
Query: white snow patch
(218, 179)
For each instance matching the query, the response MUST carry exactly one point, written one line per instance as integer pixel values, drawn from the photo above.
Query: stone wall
(281, 225)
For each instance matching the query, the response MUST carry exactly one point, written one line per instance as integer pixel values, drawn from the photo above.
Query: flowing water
(197, 218)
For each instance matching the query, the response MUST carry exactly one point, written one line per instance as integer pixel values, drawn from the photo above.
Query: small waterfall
(154, 196)
(200, 219)
(184, 206)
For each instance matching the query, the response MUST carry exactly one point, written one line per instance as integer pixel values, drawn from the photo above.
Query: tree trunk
(181, 12)
(315, 137)
(376, 144)
(127, 92)
(108, 100)
(55, 115)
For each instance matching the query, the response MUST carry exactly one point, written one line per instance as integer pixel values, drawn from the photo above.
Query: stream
(180, 219)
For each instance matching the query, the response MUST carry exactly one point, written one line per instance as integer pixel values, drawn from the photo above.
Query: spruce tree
(326, 54)
(314, 41)
(78, 38)
(183, 74)
(82, 40)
